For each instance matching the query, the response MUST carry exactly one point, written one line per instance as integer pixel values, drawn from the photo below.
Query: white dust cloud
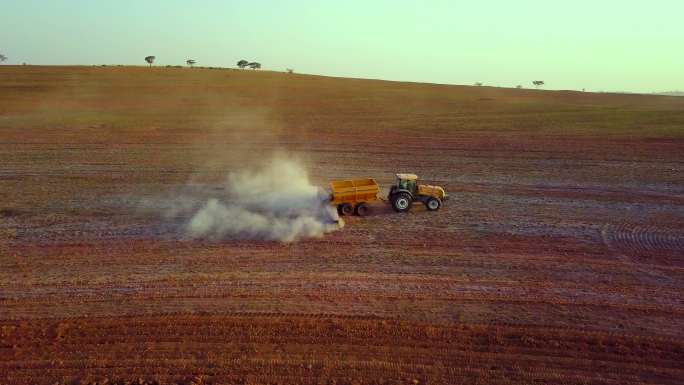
(275, 202)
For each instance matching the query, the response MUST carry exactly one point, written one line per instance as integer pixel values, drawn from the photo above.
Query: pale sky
(600, 45)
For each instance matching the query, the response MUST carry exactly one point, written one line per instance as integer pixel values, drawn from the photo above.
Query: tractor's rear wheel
(361, 209)
(346, 209)
(433, 204)
(401, 202)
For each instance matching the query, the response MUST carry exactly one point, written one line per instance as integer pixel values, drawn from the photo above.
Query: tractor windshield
(405, 184)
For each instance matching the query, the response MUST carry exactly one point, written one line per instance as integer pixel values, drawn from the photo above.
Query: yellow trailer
(351, 196)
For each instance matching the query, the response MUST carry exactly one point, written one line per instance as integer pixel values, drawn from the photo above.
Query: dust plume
(275, 201)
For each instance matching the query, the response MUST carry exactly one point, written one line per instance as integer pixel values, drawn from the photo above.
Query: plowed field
(559, 258)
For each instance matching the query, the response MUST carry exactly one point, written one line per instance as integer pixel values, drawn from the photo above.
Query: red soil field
(558, 260)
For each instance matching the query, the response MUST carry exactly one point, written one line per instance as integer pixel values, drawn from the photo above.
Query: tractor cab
(408, 182)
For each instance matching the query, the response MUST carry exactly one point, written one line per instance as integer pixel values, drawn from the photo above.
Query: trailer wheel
(346, 209)
(361, 210)
(433, 204)
(401, 202)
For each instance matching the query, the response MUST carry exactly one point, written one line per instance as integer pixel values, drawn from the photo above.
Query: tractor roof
(407, 176)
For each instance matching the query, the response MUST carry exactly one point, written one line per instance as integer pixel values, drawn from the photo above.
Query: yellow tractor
(407, 190)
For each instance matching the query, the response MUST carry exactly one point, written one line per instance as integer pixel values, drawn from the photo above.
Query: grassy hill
(130, 97)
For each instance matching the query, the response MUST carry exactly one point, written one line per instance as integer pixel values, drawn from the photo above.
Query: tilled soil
(300, 348)
(558, 259)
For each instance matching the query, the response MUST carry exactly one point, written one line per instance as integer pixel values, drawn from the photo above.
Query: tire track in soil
(644, 240)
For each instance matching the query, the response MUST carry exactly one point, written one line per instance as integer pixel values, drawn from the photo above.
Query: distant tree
(518, 86)
(478, 84)
(242, 63)
(2, 58)
(538, 83)
(290, 70)
(254, 65)
(150, 60)
(191, 62)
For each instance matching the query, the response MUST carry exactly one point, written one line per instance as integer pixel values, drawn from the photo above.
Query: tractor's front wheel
(401, 202)
(433, 204)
